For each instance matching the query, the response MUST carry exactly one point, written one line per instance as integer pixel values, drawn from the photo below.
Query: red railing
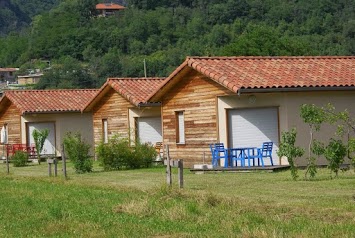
(12, 148)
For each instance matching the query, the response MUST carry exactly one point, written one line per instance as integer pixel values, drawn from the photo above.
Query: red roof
(135, 90)
(49, 101)
(8, 69)
(236, 73)
(109, 6)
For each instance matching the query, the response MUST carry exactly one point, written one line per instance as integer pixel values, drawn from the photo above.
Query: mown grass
(136, 203)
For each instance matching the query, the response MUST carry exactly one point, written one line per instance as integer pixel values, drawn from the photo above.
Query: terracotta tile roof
(135, 90)
(8, 69)
(49, 101)
(237, 73)
(109, 6)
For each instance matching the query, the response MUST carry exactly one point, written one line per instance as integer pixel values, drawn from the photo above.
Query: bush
(145, 154)
(19, 159)
(118, 154)
(335, 153)
(77, 151)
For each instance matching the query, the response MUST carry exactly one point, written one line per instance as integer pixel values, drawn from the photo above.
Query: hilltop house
(108, 9)
(244, 101)
(22, 111)
(29, 79)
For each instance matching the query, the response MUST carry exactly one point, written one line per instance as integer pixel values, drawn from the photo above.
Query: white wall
(64, 122)
(289, 112)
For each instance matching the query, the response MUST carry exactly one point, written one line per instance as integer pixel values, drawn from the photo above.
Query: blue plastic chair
(219, 152)
(264, 152)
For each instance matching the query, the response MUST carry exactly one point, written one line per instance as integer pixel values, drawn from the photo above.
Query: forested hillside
(16, 14)
(85, 49)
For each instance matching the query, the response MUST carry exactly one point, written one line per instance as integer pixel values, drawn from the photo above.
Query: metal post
(181, 173)
(145, 69)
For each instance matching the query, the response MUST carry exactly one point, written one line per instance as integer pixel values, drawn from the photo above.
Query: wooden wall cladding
(114, 108)
(196, 95)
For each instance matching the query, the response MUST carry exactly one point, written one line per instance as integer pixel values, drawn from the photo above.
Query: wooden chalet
(120, 108)
(22, 111)
(245, 101)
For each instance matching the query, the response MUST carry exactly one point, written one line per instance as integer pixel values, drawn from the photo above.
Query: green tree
(314, 117)
(66, 72)
(288, 149)
(263, 40)
(39, 137)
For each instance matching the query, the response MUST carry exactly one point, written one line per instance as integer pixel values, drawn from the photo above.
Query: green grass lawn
(136, 203)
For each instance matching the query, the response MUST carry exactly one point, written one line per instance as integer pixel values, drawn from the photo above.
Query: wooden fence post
(64, 162)
(181, 173)
(50, 162)
(55, 167)
(174, 163)
(168, 167)
(7, 165)
(49, 169)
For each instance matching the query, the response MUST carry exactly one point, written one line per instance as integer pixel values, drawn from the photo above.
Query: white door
(252, 127)
(49, 143)
(149, 129)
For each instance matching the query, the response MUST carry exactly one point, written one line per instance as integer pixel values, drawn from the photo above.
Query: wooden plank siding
(114, 108)
(11, 116)
(196, 96)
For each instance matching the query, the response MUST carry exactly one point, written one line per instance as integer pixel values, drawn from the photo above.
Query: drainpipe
(238, 93)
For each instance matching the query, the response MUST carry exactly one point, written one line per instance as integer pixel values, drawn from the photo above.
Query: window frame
(180, 127)
(105, 130)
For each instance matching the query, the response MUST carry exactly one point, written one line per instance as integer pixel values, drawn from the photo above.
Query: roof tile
(109, 6)
(135, 90)
(49, 101)
(281, 72)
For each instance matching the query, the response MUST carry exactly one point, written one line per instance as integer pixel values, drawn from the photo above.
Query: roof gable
(236, 73)
(49, 101)
(134, 90)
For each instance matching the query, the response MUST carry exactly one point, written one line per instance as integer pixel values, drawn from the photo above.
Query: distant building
(8, 74)
(108, 9)
(29, 79)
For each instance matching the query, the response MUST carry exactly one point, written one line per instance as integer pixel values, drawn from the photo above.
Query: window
(105, 130)
(4, 134)
(180, 128)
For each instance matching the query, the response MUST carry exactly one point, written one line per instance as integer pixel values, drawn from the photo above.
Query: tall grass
(138, 204)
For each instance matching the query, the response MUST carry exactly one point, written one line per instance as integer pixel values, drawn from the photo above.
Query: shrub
(118, 154)
(77, 151)
(335, 153)
(287, 148)
(113, 154)
(20, 158)
(143, 155)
